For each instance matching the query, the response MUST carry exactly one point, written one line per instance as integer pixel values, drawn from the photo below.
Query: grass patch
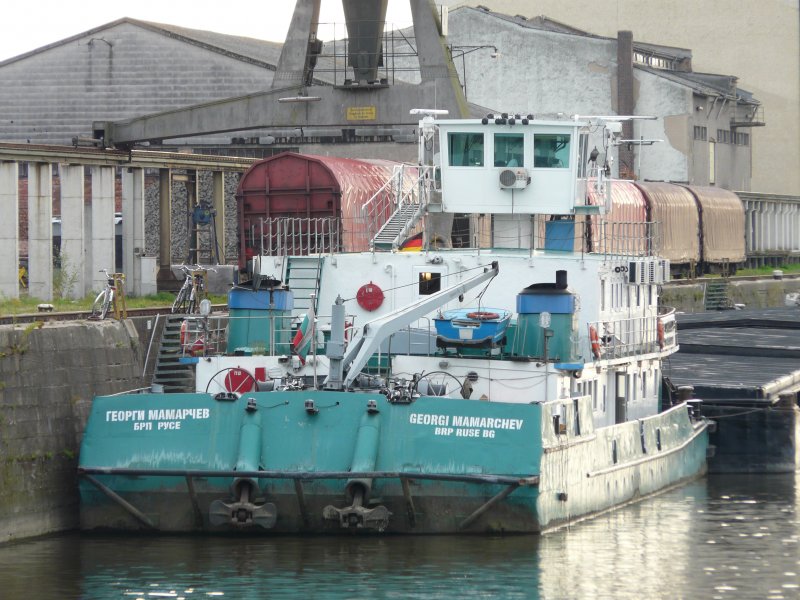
(27, 305)
(767, 271)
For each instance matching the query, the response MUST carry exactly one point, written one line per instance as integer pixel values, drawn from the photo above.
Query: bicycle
(192, 291)
(105, 299)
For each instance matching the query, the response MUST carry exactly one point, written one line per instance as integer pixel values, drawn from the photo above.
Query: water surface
(722, 537)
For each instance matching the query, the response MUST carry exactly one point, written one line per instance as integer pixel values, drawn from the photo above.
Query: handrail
(619, 338)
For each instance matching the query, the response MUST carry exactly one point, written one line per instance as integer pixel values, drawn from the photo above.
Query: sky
(26, 26)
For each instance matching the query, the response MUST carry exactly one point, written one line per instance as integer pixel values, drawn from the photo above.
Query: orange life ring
(597, 348)
(480, 315)
(660, 329)
(184, 334)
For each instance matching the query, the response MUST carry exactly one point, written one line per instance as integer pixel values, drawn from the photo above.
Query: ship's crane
(295, 100)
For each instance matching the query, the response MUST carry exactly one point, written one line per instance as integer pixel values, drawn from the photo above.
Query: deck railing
(607, 339)
(621, 338)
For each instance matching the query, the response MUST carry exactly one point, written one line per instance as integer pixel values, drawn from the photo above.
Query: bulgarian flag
(301, 343)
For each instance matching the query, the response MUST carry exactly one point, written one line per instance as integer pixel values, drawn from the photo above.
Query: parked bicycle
(193, 290)
(105, 299)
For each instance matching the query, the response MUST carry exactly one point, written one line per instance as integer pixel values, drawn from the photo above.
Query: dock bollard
(695, 409)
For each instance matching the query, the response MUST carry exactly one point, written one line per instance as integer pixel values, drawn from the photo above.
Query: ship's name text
(164, 418)
(463, 426)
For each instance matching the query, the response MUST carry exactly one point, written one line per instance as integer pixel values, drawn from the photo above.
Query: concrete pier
(133, 250)
(102, 229)
(40, 230)
(73, 250)
(9, 230)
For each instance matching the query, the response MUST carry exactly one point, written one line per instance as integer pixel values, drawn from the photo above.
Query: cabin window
(658, 438)
(551, 150)
(644, 384)
(583, 154)
(605, 397)
(712, 163)
(465, 149)
(508, 150)
(429, 283)
(614, 451)
(577, 412)
(602, 294)
(594, 395)
(641, 436)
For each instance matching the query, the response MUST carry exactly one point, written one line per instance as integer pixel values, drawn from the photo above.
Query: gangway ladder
(302, 276)
(399, 224)
(173, 374)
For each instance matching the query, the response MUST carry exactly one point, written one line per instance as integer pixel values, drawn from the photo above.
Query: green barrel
(559, 302)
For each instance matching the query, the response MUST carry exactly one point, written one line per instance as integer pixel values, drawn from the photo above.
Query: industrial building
(59, 94)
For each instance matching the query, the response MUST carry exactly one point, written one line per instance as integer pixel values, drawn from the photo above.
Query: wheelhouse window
(551, 150)
(465, 149)
(508, 150)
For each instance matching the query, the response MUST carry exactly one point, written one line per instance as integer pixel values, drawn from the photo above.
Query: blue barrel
(260, 320)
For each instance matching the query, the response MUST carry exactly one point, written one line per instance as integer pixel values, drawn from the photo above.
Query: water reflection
(727, 537)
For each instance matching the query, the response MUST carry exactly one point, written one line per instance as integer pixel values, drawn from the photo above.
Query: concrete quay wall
(49, 374)
(762, 293)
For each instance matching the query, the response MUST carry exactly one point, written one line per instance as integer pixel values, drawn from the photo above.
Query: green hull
(432, 465)
(317, 461)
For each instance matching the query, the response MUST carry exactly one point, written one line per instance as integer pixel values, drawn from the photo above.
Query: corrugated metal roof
(262, 52)
(674, 208)
(722, 217)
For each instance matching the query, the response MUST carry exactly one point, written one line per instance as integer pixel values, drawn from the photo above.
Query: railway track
(50, 317)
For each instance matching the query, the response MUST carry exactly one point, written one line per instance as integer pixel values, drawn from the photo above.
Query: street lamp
(463, 51)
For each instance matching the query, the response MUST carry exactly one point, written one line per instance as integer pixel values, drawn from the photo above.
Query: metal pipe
(487, 505)
(532, 480)
(121, 501)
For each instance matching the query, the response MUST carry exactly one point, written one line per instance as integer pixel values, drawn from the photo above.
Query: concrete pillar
(192, 196)
(165, 220)
(40, 231)
(9, 230)
(219, 206)
(132, 229)
(73, 268)
(102, 226)
(625, 102)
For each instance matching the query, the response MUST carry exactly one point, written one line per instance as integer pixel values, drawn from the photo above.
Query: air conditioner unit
(514, 179)
(648, 271)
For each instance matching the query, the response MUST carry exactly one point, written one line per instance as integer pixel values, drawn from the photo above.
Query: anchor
(365, 455)
(243, 512)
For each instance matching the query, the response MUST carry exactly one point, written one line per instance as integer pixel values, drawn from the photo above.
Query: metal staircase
(398, 226)
(170, 372)
(716, 295)
(302, 276)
